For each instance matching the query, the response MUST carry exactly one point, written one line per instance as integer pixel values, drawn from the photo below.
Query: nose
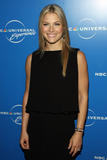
(51, 28)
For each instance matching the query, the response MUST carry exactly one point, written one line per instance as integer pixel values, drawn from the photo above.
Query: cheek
(44, 29)
(60, 30)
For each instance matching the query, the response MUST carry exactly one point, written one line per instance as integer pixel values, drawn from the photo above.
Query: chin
(52, 41)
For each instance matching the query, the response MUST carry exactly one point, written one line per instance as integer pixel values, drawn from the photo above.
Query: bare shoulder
(81, 58)
(28, 65)
(29, 59)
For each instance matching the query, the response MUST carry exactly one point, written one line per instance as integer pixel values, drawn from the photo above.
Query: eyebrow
(54, 22)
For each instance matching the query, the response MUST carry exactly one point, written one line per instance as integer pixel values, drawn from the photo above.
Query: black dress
(52, 105)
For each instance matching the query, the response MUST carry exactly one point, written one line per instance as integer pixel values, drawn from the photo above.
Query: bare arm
(82, 89)
(76, 139)
(25, 116)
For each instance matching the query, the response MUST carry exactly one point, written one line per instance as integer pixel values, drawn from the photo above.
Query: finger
(24, 144)
(75, 151)
(27, 144)
(70, 144)
(21, 143)
(78, 148)
(72, 149)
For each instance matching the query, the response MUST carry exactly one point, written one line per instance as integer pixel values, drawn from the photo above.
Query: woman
(56, 92)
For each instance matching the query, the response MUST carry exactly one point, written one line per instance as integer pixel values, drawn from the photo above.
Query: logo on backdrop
(15, 31)
(92, 117)
(101, 74)
(90, 120)
(100, 157)
(87, 28)
(15, 114)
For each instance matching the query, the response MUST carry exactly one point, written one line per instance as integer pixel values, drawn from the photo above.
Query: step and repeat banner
(87, 25)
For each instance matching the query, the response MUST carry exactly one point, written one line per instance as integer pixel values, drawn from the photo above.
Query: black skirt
(49, 136)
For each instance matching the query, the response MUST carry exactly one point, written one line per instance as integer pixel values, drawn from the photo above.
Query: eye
(57, 24)
(45, 24)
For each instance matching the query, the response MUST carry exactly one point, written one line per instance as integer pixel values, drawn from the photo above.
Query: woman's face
(52, 28)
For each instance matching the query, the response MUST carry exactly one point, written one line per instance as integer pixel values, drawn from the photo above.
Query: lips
(51, 35)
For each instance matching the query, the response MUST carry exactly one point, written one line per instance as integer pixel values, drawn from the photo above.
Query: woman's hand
(24, 140)
(75, 143)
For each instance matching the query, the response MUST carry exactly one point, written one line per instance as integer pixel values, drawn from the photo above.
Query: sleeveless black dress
(52, 105)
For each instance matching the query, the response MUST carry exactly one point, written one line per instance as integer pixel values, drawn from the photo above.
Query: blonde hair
(53, 8)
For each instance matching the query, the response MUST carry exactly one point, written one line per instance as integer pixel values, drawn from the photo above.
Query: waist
(72, 114)
(54, 110)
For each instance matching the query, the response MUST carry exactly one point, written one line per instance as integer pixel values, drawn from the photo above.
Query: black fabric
(49, 91)
(49, 136)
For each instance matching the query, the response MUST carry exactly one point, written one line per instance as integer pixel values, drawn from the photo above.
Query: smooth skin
(75, 143)
(24, 139)
(52, 31)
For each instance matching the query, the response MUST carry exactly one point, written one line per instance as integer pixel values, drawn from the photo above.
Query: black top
(49, 91)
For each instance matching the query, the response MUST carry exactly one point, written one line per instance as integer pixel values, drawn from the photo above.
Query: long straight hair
(53, 8)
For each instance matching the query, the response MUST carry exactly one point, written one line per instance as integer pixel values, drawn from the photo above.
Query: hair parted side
(53, 8)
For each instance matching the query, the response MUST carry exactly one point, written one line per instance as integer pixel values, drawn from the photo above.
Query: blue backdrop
(87, 24)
